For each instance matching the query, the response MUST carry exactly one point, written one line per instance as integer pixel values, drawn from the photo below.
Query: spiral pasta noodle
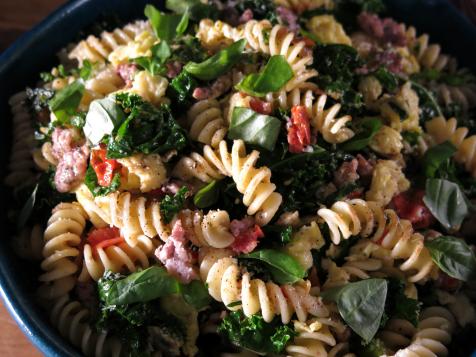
(143, 173)
(397, 333)
(151, 88)
(222, 275)
(324, 121)
(464, 95)
(254, 183)
(210, 230)
(433, 334)
(97, 49)
(442, 130)
(21, 165)
(313, 342)
(62, 238)
(71, 320)
(206, 122)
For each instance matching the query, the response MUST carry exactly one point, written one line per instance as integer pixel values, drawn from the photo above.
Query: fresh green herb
(86, 70)
(453, 256)
(446, 202)
(156, 63)
(91, 181)
(103, 116)
(164, 25)
(366, 129)
(27, 209)
(254, 128)
(374, 348)
(452, 79)
(402, 113)
(272, 78)
(196, 9)
(254, 334)
(146, 129)
(286, 235)
(46, 77)
(399, 305)
(411, 137)
(207, 196)
(171, 205)
(66, 101)
(188, 49)
(387, 79)
(183, 24)
(150, 284)
(361, 305)
(283, 268)
(429, 107)
(78, 120)
(181, 88)
(219, 63)
(262, 9)
(436, 156)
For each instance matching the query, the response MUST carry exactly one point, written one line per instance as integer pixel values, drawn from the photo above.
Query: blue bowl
(35, 52)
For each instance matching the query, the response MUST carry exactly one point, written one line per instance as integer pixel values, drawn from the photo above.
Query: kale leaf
(255, 334)
(262, 9)
(181, 89)
(91, 181)
(399, 305)
(171, 205)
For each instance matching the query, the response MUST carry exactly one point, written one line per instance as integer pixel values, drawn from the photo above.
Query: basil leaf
(27, 209)
(196, 294)
(367, 128)
(446, 202)
(361, 305)
(66, 101)
(207, 195)
(183, 24)
(86, 70)
(161, 52)
(436, 156)
(284, 268)
(217, 64)
(143, 286)
(103, 116)
(164, 25)
(453, 256)
(274, 76)
(197, 10)
(254, 128)
(429, 107)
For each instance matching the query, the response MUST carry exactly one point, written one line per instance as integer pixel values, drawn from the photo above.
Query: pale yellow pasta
(72, 320)
(323, 121)
(97, 49)
(327, 29)
(254, 183)
(215, 35)
(139, 47)
(387, 141)
(210, 230)
(144, 172)
(397, 334)
(308, 237)
(442, 130)
(314, 339)
(62, 238)
(102, 83)
(206, 122)
(464, 95)
(300, 6)
(371, 90)
(406, 117)
(151, 88)
(388, 180)
(225, 284)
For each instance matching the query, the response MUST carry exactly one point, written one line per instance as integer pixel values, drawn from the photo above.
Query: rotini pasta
(388, 180)
(300, 6)
(206, 122)
(144, 172)
(222, 275)
(314, 339)
(62, 239)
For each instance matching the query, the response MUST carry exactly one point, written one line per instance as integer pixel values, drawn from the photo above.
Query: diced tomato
(261, 106)
(309, 42)
(105, 168)
(247, 240)
(104, 237)
(354, 194)
(410, 206)
(299, 130)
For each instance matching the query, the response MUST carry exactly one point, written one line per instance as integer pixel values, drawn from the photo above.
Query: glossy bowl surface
(35, 52)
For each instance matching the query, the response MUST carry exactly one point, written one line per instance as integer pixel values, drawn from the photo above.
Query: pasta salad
(292, 178)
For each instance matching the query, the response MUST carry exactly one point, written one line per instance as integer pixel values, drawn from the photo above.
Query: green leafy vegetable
(150, 284)
(366, 130)
(453, 256)
(86, 70)
(156, 63)
(429, 107)
(217, 64)
(262, 9)
(286, 235)
(27, 209)
(196, 9)
(103, 116)
(272, 78)
(171, 205)
(181, 88)
(66, 101)
(164, 25)
(146, 129)
(411, 137)
(374, 348)
(361, 305)
(436, 156)
(183, 24)
(446, 202)
(283, 268)
(91, 182)
(207, 196)
(453, 79)
(254, 334)
(254, 128)
(387, 79)
(399, 305)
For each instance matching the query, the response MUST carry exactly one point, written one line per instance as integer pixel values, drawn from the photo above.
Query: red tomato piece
(299, 130)
(105, 168)
(98, 235)
(247, 240)
(261, 106)
(410, 206)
